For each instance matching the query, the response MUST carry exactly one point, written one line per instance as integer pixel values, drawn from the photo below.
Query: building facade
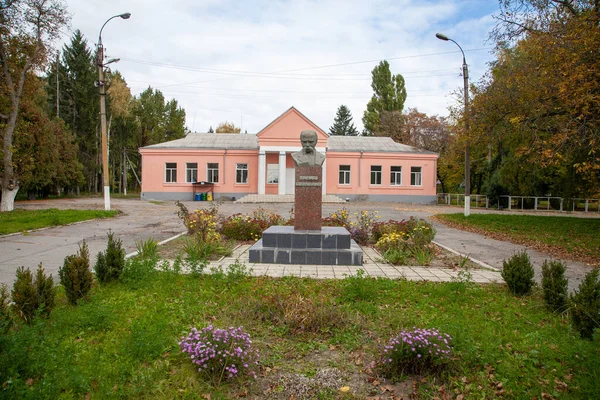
(234, 165)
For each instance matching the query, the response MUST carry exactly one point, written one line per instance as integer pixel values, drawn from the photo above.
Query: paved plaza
(373, 266)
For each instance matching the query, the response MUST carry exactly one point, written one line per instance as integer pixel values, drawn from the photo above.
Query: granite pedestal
(286, 245)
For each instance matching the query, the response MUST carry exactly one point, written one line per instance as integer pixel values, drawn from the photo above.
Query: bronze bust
(309, 156)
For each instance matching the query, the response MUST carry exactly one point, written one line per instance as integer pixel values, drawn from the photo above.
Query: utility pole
(57, 88)
(102, 90)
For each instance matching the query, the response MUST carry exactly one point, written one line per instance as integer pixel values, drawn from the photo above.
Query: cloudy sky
(249, 61)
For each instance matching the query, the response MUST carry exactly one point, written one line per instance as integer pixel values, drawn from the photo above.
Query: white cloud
(229, 53)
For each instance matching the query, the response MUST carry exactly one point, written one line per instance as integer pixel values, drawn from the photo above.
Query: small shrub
(422, 254)
(241, 227)
(75, 275)
(340, 217)
(416, 351)
(396, 256)
(250, 227)
(554, 285)
(24, 295)
(584, 305)
(147, 250)
(360, 235)
(45, 291)
(110, 264)
(5, 319)
(422, 233)
(221, 354)
(31, 296)
(518, 273)
(381, 228)
(392, 240)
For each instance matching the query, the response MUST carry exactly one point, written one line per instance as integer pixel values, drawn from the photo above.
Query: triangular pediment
(285, 130)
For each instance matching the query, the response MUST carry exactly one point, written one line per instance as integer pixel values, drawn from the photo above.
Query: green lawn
(123, 341)
(569, 235)
(23, 220)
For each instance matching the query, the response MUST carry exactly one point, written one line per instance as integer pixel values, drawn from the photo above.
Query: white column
(282, 174)
(324, 188)
(262, 171)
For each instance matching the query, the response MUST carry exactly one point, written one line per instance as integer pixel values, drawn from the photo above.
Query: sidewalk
(373, 266)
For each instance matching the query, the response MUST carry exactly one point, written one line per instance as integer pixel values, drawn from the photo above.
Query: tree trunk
(8, 199)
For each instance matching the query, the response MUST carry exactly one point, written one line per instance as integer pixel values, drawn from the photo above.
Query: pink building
(235, 165)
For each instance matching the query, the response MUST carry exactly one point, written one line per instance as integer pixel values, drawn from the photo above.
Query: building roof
(292, 109)
(211, 141)
(370, 144)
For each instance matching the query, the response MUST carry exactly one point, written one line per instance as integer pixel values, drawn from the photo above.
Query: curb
(480, 263)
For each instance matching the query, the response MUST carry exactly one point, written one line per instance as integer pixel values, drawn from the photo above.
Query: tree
(27, 27)
(536, 116)
(389, 95)
(434, 133)
(227, 127)
(343, 125)
(174, 123)
(80, 107)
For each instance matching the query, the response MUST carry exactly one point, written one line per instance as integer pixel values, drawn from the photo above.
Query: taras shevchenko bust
(309, 156)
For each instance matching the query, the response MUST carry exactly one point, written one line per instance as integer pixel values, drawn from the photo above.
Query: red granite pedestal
(308, 198)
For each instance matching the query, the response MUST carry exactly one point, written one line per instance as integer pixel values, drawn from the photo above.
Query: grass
(23, 220)
(122, 343)
(576, 238)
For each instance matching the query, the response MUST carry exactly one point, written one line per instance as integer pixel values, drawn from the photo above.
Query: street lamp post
(102, 90)
(467, 149)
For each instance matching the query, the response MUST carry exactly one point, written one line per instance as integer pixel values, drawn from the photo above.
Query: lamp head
(125, 15)
(441, 36)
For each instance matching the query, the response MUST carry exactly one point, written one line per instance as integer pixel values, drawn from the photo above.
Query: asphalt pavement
(141, 220)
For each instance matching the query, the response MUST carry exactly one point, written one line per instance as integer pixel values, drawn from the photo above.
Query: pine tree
(82, 107)
(343, 125)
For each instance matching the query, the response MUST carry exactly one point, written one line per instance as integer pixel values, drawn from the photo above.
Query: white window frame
(273, 173)
(396, 176)
(241, 173)
(170, 172)
(212, 172)
(416, 176)
(376, 174)
(191, 172)
(344, 175)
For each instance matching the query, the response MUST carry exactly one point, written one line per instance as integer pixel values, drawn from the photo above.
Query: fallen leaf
(345, 389)
(29, 382)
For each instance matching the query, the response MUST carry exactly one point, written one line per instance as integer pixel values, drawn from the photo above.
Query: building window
(171, 172)
(212, 172)
(396, 176)
(241, 173)
(272, 173)
(191, 172)
(415, 176)
(344, 175)
(375, 174)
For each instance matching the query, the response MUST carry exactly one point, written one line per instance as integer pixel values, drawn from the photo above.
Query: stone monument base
(328, 246)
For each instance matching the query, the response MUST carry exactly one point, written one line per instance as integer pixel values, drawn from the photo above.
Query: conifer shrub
(584, 305)
(45, 291)
(554, 285)
(30, 294)
(518, 273)
(5, 319)
(110, 264)
(75, 275)
(24, 294)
